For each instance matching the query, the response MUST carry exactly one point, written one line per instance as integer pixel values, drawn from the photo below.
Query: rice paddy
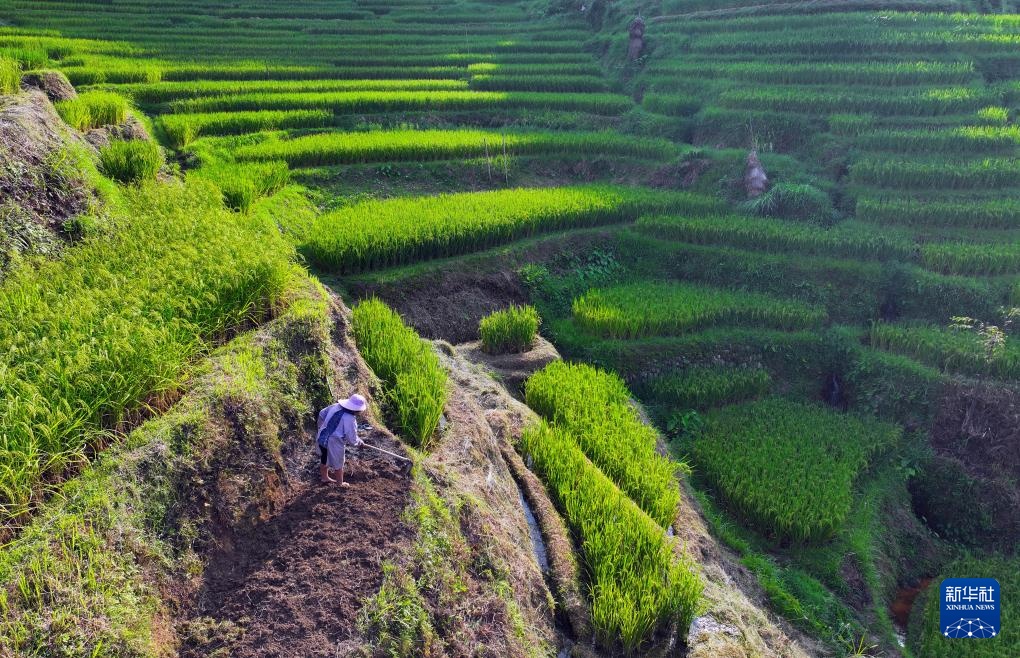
(781, 342)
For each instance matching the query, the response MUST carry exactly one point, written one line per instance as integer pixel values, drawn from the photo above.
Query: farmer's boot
(324, 474)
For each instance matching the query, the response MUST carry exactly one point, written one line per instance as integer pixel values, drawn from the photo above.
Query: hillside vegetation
(816, 359)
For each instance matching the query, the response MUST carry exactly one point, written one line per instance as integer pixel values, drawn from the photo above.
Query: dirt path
(293, 585)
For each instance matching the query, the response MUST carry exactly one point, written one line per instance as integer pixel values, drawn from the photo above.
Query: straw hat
(354, 403)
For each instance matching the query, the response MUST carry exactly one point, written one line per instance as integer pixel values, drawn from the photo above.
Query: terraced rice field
(801, 352)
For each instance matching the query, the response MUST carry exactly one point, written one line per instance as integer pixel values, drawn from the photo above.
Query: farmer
(338, 428)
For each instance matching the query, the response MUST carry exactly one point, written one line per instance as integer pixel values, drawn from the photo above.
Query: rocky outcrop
(54, 84)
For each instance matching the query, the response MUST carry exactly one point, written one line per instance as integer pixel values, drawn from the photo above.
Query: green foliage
(165, 92)
(663, 309)
(934, 212)
(844, 240)
(414, 380)
(510, 330)
(376, 234)
(594, 407)
(182, 129)
(936, 174)
(753, 451)
(94, 109)
(637, 581)
(244, 184)
(396, 617)
(986, 259)
(953, 350)
(927, 641)
(131, 161)
(10, 76)
(386, 145)
(705, 387)
(793, 201)
(89, 338)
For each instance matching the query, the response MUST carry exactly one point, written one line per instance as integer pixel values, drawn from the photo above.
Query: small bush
(794, 201)
(94, 109)
(131, 161)
(244, 184)
(10, 76)
(510, 330)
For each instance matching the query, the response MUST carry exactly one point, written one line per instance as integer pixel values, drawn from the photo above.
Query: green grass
(413, 379)
(594, 407)
(936, 174)
(788, 467)
(510, 330)
(131, 161)
(664, 309)
(378, 234)
(182, 129)
(94, 109)
(945, 212)
(10, 76)
(91, 338)
(336, 148)
(637, 582)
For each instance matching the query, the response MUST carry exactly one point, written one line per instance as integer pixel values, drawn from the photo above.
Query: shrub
(10, 76)
(93, 109)
(510, 330)
(794, 201)
(131, 161)
(788, 467)
(414, 381)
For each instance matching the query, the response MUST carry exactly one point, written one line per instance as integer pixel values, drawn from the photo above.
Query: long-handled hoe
(406, 463)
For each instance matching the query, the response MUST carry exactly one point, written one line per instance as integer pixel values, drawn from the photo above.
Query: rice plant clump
(10, 76)
(954, 350)
(595, 407)
(788, 467)
(414, 381)
(93, 109)
(244, 184)
(638, 582)
(510, 330)
(131, 161)
(666, 309)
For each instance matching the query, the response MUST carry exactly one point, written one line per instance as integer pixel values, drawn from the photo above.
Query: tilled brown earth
(292, 587)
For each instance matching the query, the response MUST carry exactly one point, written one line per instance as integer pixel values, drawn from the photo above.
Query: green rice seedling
(637, 581)
(553, 83)
(940, 174)
(850, 125)
(244, 184)
(985, 259)
(788, 467)
(393, 101)
(28, 58)
(671, 105)
(891, 74)
(335, 148)
(10, 76)
(125, 73)
(414, 381)
(927, 102)
(844, 240)
(510, 330)
(793, 201)
(993, 116)
(112, 325)
(705, 387)
(948, 212)
(595, 407)
(165, 92)
(664, 309)
(403, 230)
(94, 109)
(131, 161)
(951, 350)
(957, 141)
(182, 129)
